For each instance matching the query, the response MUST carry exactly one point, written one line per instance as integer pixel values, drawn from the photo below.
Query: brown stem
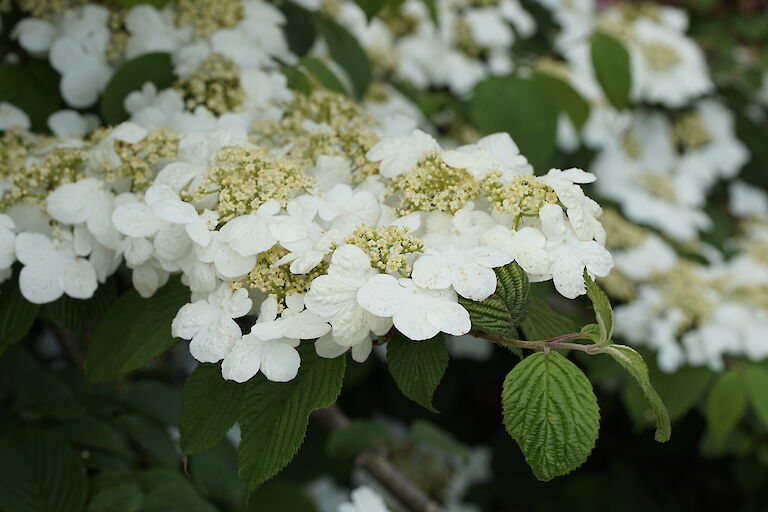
(376, 464)
(557, 342)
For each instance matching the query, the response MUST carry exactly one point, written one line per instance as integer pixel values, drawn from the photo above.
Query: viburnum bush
(261, 201)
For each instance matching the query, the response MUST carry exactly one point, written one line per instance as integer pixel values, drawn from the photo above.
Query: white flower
(347, 209)
(12, 116)
(641, 262)
(86, 202)
(78, 54)
(569, 256)
(582, 211)
(468, 271)
(527, 246)
(52, 268)
(417, 313)
(34, 35)
(277, 358)
(398, 155)
(70, 124)
(7, 242)
(364, 499)
(496, 152)
(153, 31)
(747, 200)
(326, 347)
(334, 297)
(667, 67)
(242, 238)
(295, 322)
(210, 325)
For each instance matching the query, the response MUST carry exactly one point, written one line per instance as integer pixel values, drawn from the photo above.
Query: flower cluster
(293, 238)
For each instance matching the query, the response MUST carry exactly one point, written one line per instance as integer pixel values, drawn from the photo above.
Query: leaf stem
(558, 342)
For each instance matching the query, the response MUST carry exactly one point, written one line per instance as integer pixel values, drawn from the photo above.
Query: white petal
(32, 248)
(381, 295)
(473, 281)
(244, 360)
(72, 203)
(280, 361)
(135, 220)
(248, 235)
(79, 278)
(39, 283)
(432, 272)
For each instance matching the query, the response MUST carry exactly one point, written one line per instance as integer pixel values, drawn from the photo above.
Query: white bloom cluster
(470, 41)
(337, 232)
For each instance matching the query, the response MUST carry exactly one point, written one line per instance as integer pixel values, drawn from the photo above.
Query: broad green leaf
(611, 63)
(566, 97)
(726, 404)
(417, 367)
(155, 400)
(550, 409)
(40, 473)
(274, 415)
(280, 495)
(323, 74)
(134, 331)
(153, 438)
(371, 7)
(521, 107)
(151, 67)
(756, 379)
(602, 307)
(299, 28)
(214, 472)
(175, 497)
(543, 323)
(635, 365)
(81, 316)
(349, 440)
(209, 407)
(16, 314)
(502, 312)
(296, 80)
(347, 53)
(92, 433)
(32, 86)
(429, 434)
(122, 497)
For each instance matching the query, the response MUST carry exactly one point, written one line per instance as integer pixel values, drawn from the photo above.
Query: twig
(376, 464)
(558, 342)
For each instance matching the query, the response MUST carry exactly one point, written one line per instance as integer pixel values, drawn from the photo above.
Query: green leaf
(635, 365)
(16, 314)
(347, 52)
(611, 63)
(274, 415)
(175, 497)
(151, 67)
(134, 331)
(348, 441)
(296, 80)
(280, 495)
(155, 400)
(429, 434)
(81, 316)
(299, 28)
(209, 407)
(325, 76)
(215, 473)
(32, 86)
(432, 9)
(502, 312)
(40, 473)
(371, 7)
(726, 404)
(521, 107)
(157, 4)
(152, 437)
(543, 323)
(122, 497)
(417, 366)
(756, 380)
(550, 409)
(566, 97)
(92, 433)
(602, 307)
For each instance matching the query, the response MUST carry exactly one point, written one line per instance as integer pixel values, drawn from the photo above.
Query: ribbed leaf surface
(503, 311)
(417, 367)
